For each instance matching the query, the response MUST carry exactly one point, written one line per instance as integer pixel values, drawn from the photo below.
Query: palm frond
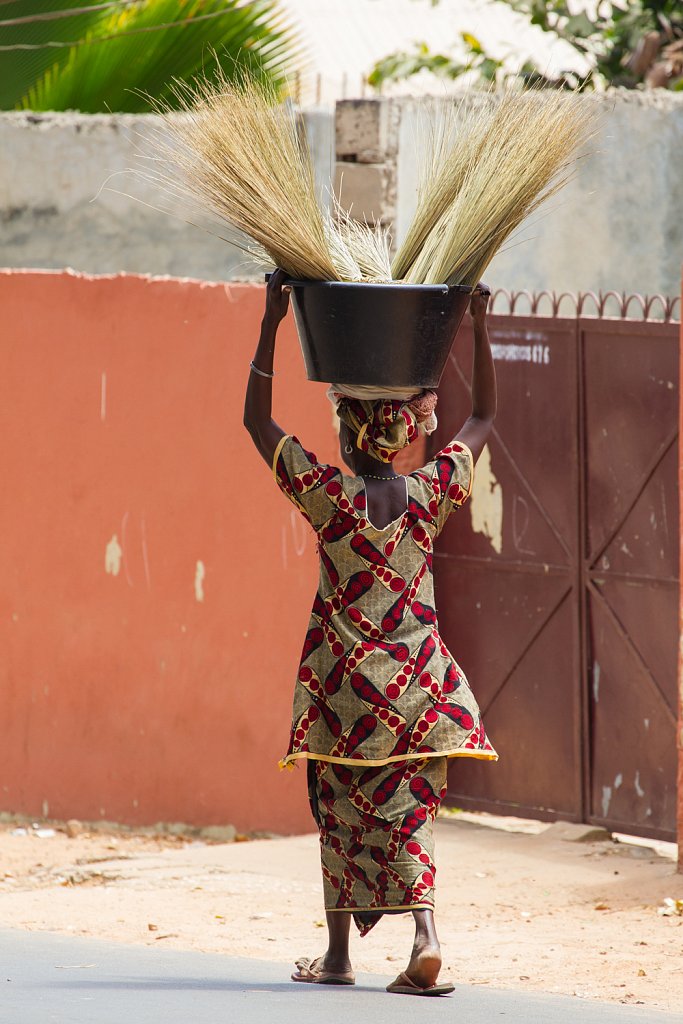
(20, 69)
(133, 53)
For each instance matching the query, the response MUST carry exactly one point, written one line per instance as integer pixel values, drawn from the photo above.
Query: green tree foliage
(629, 43)
(399, 66)
(114, 57)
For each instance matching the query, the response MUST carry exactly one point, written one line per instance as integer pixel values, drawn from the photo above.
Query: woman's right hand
(277, 297)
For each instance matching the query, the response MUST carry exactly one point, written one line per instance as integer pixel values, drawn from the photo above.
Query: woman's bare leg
(337, 956)
(425, 959)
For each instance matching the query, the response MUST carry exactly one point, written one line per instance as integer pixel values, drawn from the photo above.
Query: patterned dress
(379, 703)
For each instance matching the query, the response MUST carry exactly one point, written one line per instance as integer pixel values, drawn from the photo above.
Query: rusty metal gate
(557, 585)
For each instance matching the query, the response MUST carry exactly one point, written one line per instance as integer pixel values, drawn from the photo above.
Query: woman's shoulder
(292, 455)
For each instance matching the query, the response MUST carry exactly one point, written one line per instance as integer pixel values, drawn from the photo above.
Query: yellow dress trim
(288, 762)
(371, 910)
(276, 456)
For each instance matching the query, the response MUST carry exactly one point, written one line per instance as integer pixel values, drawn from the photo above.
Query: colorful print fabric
(376, 683)
(376, 834)
(383, 428)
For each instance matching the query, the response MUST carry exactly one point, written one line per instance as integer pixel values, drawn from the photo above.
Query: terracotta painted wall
(154, 584)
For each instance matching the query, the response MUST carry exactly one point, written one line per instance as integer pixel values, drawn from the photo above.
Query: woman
(379, 704)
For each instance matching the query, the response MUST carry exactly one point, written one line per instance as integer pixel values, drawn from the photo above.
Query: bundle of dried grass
(239, 155)
(368, 245)
(238, 152)
(491, 161)
(492, 165)
(451, 146)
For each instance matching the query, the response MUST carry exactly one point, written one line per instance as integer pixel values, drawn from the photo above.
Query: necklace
(372, 476)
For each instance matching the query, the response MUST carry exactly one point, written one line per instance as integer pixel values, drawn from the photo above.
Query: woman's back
(386, 499)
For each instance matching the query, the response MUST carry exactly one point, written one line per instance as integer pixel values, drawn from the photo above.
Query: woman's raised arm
(265, 433)
(476, 429)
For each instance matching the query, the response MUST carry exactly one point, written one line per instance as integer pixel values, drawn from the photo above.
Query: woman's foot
(324, 970)
(425, 962)
(420, 976)
(404, 986)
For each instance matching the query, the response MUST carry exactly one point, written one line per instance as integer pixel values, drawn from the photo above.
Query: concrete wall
(155, 585)
(54, 212)
(618, 225)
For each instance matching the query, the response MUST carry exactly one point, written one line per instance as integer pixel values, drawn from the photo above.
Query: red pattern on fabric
(394, 666)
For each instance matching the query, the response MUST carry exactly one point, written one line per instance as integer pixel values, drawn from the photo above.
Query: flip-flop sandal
(309, 971)
(406, 987)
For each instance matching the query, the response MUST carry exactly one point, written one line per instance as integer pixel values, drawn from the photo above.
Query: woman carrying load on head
(380, 704)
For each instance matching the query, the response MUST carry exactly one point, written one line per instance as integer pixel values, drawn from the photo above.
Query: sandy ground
(516, 909)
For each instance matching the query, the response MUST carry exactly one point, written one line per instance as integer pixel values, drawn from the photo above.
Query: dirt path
(516, 909)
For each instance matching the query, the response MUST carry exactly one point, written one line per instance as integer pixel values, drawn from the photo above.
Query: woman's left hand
(277, 297)
(479, 301)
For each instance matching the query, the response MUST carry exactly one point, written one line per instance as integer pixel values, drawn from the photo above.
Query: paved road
(55, 979)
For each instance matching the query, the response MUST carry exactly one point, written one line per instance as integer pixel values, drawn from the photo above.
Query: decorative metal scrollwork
(602, 305)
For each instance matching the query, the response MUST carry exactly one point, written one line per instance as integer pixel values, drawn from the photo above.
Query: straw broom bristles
(493, 160)
(500, 167)
(344, 260)
(369, 246)
(452, 144)
(237, 151)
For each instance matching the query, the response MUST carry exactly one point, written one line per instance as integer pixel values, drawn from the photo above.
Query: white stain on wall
(145, 552)
(112, 557)
(199, 575)
(294, 536)
(606, 800)
(486, 503)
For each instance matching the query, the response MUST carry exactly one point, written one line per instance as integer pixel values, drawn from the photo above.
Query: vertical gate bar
(607, 754)
(582, 681)
(679, 730)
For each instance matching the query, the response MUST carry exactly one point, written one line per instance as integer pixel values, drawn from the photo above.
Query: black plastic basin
(396, 335)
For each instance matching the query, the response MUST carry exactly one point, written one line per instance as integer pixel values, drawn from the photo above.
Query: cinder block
(367, 190)
(364, 130)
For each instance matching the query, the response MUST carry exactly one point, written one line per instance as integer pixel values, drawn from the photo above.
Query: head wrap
(384, 425)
